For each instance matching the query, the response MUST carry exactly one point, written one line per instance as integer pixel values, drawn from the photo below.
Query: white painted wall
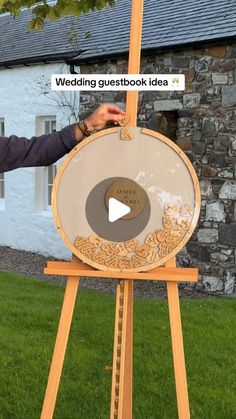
(21, 226)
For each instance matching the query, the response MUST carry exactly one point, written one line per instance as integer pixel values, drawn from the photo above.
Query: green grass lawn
(29, 314)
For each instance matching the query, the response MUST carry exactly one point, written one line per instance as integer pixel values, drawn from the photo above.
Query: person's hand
(104, 114)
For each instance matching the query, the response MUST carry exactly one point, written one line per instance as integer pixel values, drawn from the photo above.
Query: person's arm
(18, 152)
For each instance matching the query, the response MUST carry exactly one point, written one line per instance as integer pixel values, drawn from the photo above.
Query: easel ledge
(158, 274)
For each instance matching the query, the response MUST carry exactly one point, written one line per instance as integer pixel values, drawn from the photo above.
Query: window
(44, 176)
(50, 176)
(49, 126)
(50, 172)
(2, 186)
(2, 127)
(2, 176)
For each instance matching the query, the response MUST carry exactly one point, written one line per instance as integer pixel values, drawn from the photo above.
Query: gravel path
(32, 264)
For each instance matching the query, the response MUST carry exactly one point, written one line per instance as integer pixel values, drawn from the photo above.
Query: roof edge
(49, 58)
(105, 57)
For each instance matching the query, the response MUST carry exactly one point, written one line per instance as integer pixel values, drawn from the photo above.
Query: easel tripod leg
(115, 386)
(60, 347)
(178, 348)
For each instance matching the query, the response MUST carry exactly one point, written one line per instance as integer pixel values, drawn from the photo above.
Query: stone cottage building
(27, 61)
(198, 40)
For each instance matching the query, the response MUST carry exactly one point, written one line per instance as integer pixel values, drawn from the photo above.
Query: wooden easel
(121, 394)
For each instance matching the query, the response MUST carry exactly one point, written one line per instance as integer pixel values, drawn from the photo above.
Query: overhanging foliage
(43, 10)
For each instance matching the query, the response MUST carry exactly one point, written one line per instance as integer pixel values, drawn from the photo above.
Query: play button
(117, 210)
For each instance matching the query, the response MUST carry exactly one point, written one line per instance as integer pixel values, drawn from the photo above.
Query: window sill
(45, 213)
(2, 204)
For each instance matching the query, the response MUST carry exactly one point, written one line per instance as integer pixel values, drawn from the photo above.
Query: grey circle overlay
(97, 215)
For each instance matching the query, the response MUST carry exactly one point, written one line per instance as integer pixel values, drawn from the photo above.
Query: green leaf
(36, 24)
(88, 34)
(43, 10)
(53, 13)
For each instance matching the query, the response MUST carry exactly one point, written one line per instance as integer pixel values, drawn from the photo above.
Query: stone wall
(206, 131)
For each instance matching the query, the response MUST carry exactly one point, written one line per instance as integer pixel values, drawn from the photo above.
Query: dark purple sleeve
(18, 152)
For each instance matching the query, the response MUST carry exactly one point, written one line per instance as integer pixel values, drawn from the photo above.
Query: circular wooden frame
(162, 260)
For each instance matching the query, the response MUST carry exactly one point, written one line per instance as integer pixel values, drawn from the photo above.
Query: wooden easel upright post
(121, 395)
(122, 380)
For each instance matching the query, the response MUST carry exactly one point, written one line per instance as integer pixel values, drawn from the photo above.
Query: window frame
(2, 127)
(2, 175)
(2, 187)
(42, 185)
(49, 185)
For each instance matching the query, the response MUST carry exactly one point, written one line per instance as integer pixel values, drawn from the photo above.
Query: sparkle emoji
(175, 82)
